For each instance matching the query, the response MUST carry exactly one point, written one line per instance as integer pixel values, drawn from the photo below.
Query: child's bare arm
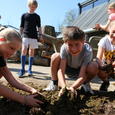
(8, 93)
(28, 100)
(40, 30)
(9, 77)
(81, 79)
(40, 39)
(61, 73)
(100, 53)
(21, 30)
(103, 27)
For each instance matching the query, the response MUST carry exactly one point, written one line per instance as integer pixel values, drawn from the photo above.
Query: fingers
(72, 90)
(60, 92)
(34, 91)
(31, 101)
(37, 101)
(97, 26)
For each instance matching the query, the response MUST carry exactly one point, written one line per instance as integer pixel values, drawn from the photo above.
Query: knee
(24, 51)
(92, 69)
(55, 60)
(55, 57)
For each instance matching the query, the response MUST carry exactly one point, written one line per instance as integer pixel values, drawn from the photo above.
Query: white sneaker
(87, 88)
(51, 87)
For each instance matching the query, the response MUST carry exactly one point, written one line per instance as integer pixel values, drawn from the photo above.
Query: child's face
(112, 31)
(111, 10)
(8, 49)
(112, 35)
(74, 46)
(32, 8)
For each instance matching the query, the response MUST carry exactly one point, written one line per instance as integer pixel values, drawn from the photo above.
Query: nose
(74, 48)
(12, 52)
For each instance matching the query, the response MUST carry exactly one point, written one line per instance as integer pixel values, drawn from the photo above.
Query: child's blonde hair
(9, 35)
(112, 5)
(32, 2)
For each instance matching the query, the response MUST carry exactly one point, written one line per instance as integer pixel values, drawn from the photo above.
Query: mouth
(74, 53)
(7, 56)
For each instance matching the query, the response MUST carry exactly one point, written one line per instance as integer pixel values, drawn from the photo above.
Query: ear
(83, 41)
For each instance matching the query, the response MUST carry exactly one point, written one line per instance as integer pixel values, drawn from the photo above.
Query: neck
(113, 42)
(31, 11)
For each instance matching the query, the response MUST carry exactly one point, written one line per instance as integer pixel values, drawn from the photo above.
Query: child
(10, 42)
(106, 55)
(74, 58)
(29, 28)
(111, 12)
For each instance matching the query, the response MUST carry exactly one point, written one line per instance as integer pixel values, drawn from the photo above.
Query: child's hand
(72, 90)
(61, 91)
(41, 40)
(97, 26)
(113, 64)
(31, 101)
(34, 91)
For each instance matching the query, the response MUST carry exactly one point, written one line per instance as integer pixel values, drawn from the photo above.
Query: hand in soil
(38, 93)
(67, 95)
(32, 101)
(72, 90)
(43, 99)
(62, 90)
(66, 89)
(34, 91)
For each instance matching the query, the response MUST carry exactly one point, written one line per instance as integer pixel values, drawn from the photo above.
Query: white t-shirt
(109, 53)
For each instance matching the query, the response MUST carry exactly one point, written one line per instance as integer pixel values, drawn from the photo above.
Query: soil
(101, 103)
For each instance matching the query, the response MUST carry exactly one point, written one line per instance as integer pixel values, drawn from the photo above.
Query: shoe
(29, 73)
(51, 87)
(21, 73)
(104, 86)
(87, 88)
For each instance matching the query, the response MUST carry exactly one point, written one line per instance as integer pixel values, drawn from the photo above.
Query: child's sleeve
(88, 55)
(38, 21)
(102, 42)
(112, 17)
(22, 21)
(63, 52)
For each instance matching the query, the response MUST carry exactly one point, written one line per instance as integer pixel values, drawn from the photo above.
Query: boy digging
(74, 58)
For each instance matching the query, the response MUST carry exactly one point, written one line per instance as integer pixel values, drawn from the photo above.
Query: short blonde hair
(33, 2)
(111, 5)
(10, 35)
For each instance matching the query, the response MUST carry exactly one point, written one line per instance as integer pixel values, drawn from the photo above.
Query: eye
(77, 44)
(70, 45)
(12, 48)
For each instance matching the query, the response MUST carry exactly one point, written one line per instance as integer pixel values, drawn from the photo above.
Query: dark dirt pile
(67, 104)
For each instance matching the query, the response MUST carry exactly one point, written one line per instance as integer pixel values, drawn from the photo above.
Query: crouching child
(74, 58)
